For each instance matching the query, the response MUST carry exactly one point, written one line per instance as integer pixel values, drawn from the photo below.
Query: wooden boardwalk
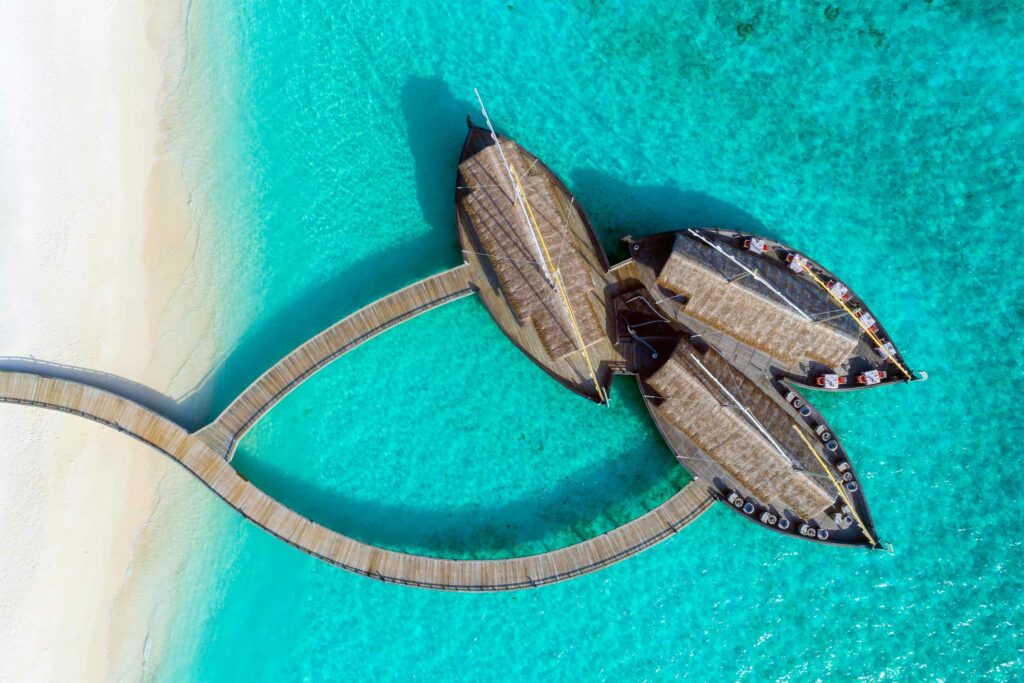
(238, 418)
(208, 464)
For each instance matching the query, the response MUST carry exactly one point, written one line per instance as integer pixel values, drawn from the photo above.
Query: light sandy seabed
(96, 270)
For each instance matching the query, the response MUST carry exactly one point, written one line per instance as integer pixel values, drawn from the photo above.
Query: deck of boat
(715, 334)
(210, 467)
(719, 446)
(710, 436)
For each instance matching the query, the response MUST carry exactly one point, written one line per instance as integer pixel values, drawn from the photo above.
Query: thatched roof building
(696, 406)
(717, 292)
(509, 240)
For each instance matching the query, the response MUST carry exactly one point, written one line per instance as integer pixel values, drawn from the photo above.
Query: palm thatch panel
(695, 406)
(719, 294)
(507, 237)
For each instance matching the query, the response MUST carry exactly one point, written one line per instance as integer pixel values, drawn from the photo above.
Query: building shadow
(517, 526)
(618, 208)
(435, 127)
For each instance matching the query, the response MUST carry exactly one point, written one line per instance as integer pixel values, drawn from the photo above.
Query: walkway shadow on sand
(190, 411)
(435, 125)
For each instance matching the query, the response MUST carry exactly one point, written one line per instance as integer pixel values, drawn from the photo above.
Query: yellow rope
(859, 322)
(841, 489)
(558, 284)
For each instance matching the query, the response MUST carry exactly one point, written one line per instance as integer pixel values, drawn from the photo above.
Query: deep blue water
(885, 140)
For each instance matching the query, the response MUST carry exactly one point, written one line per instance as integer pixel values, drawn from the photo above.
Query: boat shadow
(618, 208)
(618, 489)
(435, 127)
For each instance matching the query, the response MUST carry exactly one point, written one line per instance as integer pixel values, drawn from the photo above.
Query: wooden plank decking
(209, 465)
(276, 383)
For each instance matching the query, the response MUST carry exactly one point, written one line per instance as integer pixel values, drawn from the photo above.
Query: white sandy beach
(96, 271)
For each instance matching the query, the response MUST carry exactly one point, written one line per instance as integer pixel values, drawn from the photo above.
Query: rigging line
(637, 337)
(697, 289)
(711, 460)
(565, 236)
(761, 323)
(754, 273)
(650, 307)
(737, 278)
(649, 322)
(746, 412)
(560, 287)
(503, 258)
(682, 400)
(830, 315)
(842, 489)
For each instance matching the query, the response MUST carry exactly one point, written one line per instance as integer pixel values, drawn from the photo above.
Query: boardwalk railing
(206, 455)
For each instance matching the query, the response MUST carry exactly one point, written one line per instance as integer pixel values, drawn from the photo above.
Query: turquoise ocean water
(885, 139)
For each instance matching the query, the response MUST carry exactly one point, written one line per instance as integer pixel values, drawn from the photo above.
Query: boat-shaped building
(719, 328)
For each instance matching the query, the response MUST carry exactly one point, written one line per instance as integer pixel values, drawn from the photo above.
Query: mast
(756, 275)
(750, 416)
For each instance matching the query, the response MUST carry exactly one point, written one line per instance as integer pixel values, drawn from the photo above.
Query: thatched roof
(750, 312)
(698, 408)
(505, 235)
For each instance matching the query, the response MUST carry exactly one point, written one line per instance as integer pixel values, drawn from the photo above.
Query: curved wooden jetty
(224, 433)
(209, 466)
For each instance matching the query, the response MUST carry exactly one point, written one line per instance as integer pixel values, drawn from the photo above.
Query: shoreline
(97, 270)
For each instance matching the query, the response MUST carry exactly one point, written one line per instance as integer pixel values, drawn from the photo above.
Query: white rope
(762, 323)
(746, 412)
(503, 258)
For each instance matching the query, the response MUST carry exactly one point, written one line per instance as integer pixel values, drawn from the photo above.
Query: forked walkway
(205, 454)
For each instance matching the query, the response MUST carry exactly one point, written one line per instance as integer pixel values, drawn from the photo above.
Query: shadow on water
(435, 129)
(434, 121)
(189, 411)
(617, 208)
(619, 488)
